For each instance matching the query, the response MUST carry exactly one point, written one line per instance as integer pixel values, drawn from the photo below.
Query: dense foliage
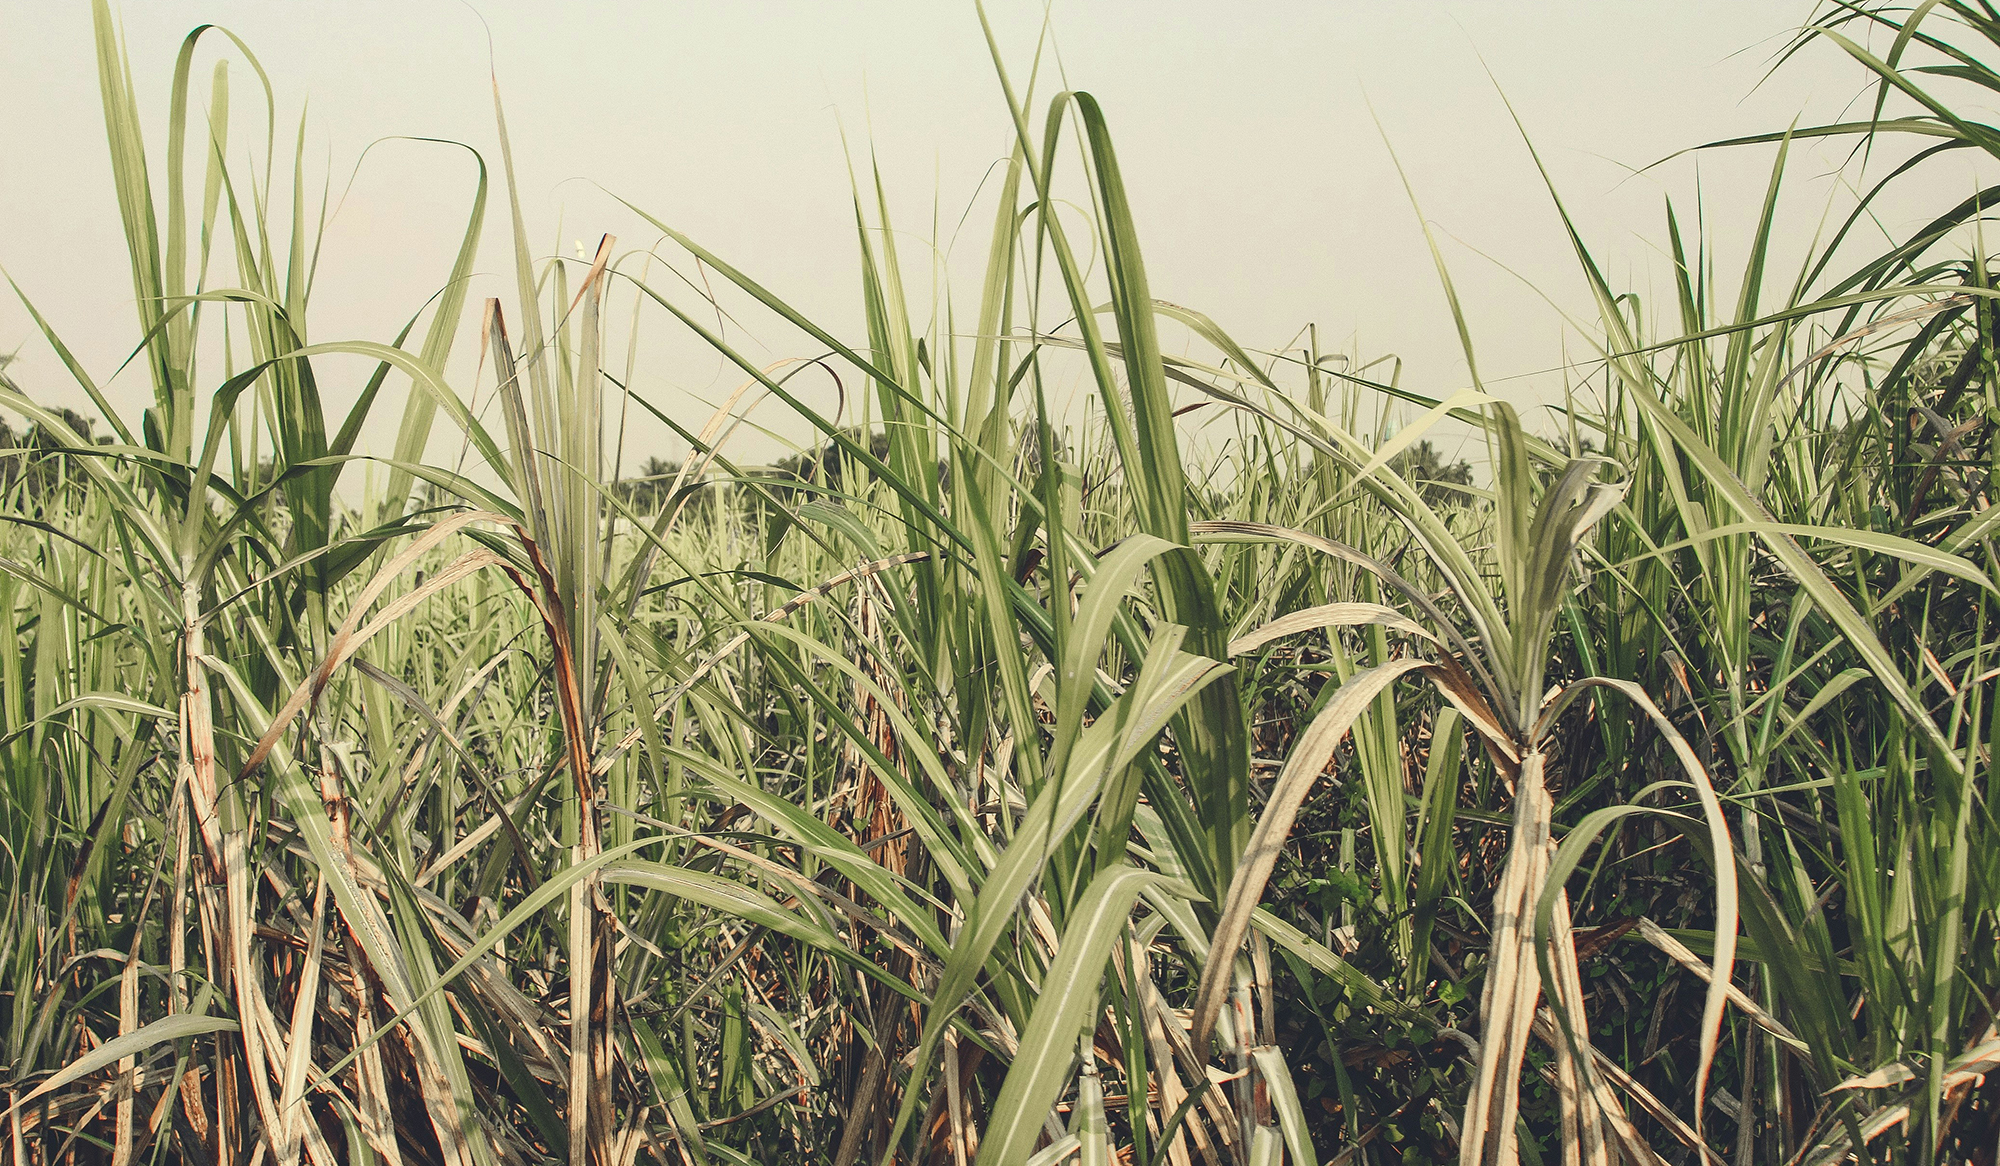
(975, 789)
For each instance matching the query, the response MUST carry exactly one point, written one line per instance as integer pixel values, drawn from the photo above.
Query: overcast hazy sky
(1263, 189)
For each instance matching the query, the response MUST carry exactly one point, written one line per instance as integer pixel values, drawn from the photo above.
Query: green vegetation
(983, 791)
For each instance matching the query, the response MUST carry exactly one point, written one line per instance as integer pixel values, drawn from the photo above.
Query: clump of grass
(976, 789)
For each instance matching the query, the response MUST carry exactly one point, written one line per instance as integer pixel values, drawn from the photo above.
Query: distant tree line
(28, 456)
(1424, 467)
(828, 466)
(831, 466)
